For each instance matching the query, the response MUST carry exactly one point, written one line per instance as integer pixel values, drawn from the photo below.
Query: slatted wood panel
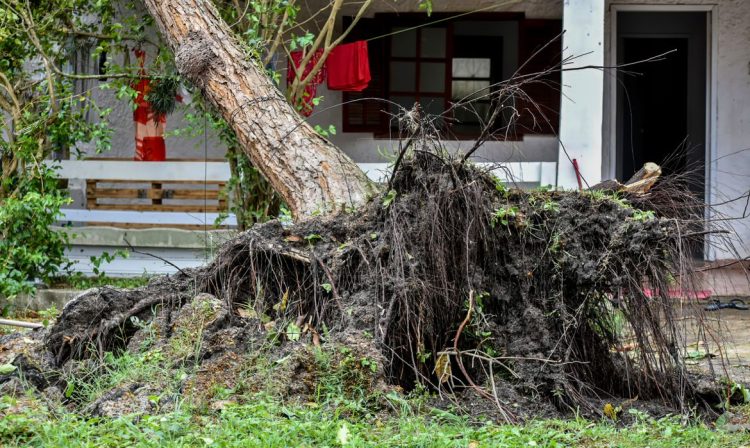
(161, 196)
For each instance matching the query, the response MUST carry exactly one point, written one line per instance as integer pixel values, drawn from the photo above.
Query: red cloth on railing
(349, 67)
(311, 89)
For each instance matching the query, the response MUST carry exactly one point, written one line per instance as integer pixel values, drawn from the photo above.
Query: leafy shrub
(29, 248)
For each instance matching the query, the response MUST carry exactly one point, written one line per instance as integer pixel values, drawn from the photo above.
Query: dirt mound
(522, 300)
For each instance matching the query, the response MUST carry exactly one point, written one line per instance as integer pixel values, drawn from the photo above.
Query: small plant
(500, 186)
(555, 244)
(106, 258)
(642, 215)
(285, 216)
(605, 195)
(503, 215)
(30, 249)
(313, 238)
(388, 198)
(732, 388)
(293, 332)
(162, 95)
(49, 314)
(78, 281)
(551, 206)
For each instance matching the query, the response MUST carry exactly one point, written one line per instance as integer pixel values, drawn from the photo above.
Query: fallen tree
(310, 173)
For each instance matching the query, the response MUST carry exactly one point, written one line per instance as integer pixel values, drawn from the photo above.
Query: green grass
(269, 423)
(343, 411)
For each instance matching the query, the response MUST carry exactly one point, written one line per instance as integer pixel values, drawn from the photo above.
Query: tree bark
(308, 171)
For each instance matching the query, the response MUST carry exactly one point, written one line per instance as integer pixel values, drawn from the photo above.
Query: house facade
(687, 107)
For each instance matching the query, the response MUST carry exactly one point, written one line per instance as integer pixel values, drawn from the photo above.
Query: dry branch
(21, 324)
(640, 183)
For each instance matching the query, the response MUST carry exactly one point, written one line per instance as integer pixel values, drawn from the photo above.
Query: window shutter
(367, 115)
(540, 115)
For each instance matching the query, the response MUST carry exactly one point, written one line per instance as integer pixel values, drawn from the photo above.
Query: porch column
(582, 93)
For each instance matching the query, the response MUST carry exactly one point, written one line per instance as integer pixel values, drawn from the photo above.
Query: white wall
(729, 162)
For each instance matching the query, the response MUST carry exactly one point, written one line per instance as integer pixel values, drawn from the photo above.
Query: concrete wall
(582, 94)
(729, 162)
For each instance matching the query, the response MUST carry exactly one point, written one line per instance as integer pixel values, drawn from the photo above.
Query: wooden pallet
(155, 196)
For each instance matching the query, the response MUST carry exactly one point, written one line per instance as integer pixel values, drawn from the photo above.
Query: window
(442, 64)
(477, 67)
(418, 69)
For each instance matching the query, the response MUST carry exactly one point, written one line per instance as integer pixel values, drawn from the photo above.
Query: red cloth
(149, 128)
(153, 149)
(348, 67)
(305, 103)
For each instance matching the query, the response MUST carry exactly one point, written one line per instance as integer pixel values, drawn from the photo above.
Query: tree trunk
(308, 171)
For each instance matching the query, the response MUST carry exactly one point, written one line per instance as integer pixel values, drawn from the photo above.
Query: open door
(661, 105)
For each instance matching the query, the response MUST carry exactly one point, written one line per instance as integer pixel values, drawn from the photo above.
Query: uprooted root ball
(450, 281)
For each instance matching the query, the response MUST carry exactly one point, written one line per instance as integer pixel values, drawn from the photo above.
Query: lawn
(339, 413)
(269, 423)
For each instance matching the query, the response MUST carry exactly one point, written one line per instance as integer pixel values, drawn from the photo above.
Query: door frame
(711, 86)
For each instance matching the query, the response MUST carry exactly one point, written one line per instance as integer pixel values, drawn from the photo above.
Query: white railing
(542, 173)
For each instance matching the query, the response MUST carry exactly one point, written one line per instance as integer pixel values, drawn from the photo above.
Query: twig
(507, 415)
(18, 323)
(136, 251)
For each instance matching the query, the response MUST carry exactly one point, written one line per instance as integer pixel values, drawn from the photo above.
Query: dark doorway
(661, 105)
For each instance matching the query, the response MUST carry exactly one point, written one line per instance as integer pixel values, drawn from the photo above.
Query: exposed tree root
(458, 283)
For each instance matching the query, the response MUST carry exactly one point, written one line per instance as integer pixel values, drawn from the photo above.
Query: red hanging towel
(149, 128)
(349, 67)
(311, 89)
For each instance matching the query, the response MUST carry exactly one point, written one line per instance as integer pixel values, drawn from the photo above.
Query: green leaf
(313, 238)
(5, 369)
(69, 389)
(293, 332)
(327, 286)
(389, 198)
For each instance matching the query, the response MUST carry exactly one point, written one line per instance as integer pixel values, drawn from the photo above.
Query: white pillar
(583, 93)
